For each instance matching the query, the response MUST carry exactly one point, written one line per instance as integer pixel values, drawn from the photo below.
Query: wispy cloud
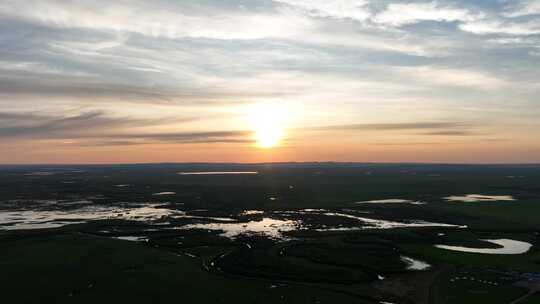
(190, 137)
(86, 124)
(419, 128)
(392, 126)
(453, 77)
(522, 8)
(397, 14)
(353, 9)
(453, 133)
(98, 128)
(485, 27)
(227, 137)
(156, 19)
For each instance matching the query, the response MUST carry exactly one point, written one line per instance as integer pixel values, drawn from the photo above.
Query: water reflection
(41, 219)
(132, 238)
(370, 223)
(508, 247)
(164, 193)
(392, 201)
(479, 198)
(52, 214)
(40, 173)
(251, 212)
(413, 264)
(218, 172)
(269, 227)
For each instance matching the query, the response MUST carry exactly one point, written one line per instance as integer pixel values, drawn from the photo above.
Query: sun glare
(268, 123)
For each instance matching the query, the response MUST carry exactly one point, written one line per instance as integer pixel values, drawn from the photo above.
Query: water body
(469, 198)
(251, 212)
(132, 238)
(44, 214)
(313, 210)
(164, 193)
(413, 264)
(383, 224)
(269, 227)
(40, 173)
(211, 218)
(48, 215)
(218, 173)
(392, 201)
(364, 222)
(507, 247)
(43, 219)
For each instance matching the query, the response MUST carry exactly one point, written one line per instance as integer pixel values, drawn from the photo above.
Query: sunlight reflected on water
(508, 247)
(469, 198)
(272, 228)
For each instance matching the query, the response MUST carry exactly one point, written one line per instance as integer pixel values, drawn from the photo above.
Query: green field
(324, 256)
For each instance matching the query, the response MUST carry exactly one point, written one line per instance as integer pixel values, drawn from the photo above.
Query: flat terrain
(280, 233)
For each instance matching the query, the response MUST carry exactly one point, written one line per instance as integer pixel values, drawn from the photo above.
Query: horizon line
(278, 163)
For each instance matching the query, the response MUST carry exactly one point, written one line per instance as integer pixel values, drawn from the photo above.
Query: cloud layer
(125, 73)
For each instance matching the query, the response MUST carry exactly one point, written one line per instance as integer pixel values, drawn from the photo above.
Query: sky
(269, 81)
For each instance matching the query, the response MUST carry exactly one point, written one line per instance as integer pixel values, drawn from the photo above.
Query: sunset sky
(260, 80)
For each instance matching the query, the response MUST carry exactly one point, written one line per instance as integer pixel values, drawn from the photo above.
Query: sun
(268, 122)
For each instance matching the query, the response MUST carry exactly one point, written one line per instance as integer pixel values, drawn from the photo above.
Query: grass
(522, 262)
(475, 285)
(66, 266)
(77, 268)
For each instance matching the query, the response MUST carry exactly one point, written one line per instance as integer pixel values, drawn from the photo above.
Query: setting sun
(268, 124)
(299, 151)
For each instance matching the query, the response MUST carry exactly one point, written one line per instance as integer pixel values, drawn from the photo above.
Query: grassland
(85, 263)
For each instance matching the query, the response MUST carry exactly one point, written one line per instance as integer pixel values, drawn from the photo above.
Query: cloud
(230, 137)
(36, 125)
(212, 136)
(403, 14)
(515, 41)
(65, 86)
(95, 128)
(393, 126)
(522, 8)
(418, 128)
(89, 67)
(86, 124)
(156, 19)
(122, 143)
(452, 133)
(340, 9)
(298, 21)
(397, 15)
(486, 27)
(333, 62)
(408, 143)
(432, 128)
(452, 77)
(535, 53)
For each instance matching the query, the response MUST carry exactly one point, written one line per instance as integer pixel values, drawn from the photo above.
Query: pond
(507, 247)
(42, 219)
(218, 173)
(392, 201)
(469, 198)
(269, 227)
(413, 264)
